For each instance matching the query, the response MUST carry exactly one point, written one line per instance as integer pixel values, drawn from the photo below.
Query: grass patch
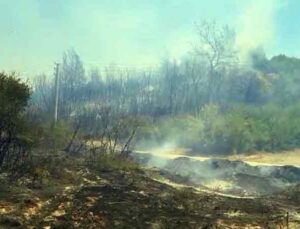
(107, 162)
(5, 190)
(51, 191)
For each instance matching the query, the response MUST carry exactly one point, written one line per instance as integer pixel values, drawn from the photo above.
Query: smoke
(256, 26)
(161, 154)
(224, 176)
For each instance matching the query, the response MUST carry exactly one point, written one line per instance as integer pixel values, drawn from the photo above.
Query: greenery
(236, 130)
(223, 109)
(210, 106)
(14, 97)
(207, 103)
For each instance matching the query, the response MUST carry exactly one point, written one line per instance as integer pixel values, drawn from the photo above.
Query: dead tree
(216, 47)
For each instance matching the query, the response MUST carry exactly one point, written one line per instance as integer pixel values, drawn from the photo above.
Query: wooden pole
(56, 93)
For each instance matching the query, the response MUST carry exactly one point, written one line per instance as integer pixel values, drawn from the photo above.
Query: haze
(149, 114)
(133, 33)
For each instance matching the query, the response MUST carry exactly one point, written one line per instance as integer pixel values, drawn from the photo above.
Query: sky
(135, 33)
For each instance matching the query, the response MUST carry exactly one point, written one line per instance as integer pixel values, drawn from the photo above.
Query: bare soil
(137, 198)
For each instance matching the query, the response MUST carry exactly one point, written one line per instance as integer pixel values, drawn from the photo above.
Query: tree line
(210, 101)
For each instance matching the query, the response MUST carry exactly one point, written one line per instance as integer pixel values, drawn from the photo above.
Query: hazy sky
(134, 33)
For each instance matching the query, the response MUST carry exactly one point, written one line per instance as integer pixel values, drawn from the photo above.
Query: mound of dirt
(250, 180)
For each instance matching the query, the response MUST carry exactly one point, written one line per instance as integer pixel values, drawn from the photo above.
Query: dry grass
(280, 158)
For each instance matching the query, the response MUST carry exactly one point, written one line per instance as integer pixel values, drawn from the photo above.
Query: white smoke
(256, 25)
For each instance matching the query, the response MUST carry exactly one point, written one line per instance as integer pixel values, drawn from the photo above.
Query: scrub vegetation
(80, 171)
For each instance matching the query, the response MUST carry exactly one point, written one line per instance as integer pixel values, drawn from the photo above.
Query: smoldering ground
(222, 175)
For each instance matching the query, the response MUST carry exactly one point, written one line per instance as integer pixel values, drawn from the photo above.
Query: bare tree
(72, 81)
(216, 47)
(42, 96)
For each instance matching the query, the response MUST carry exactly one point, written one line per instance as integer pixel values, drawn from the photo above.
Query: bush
(113, 162)
(250, 128)
(54, 138)
(237, 130)
(225, 133)
(14, 144)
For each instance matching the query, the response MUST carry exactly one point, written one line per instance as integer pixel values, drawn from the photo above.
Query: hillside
(134, 197)
(151, 117)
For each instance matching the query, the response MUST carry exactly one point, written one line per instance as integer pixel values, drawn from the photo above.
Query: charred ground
(66, 144)
(136, 197)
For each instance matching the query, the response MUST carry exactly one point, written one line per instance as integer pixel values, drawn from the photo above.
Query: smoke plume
(256, 26)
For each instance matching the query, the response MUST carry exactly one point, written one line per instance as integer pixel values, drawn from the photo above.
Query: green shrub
(236, 130)
(14, 96)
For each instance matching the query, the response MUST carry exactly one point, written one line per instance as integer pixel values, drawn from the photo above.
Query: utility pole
(56, 70)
